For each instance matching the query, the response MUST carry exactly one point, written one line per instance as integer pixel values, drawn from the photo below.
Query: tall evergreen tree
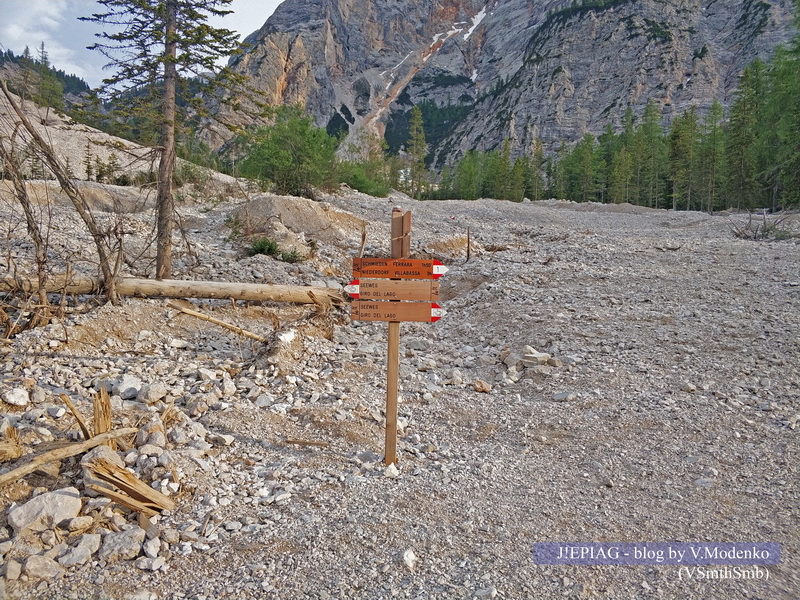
(466, 177)
(156, 44)
(742, 142)
(649, 157)
(780, 149)
(534, 179)
(583, 170)
(683, 143)
(609, 144)
(620, 177)
(711, 159)
(516, 182)
(417, 150)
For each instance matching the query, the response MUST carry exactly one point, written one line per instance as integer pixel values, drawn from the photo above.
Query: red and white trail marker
(390, 289)
(420, 312)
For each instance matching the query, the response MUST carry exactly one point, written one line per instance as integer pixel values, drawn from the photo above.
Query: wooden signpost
(389, 289)
(388, 268)
(422, 312)
(395, 289)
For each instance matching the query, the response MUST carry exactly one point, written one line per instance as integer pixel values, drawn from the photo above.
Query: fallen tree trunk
(64, 452)
(174, 288)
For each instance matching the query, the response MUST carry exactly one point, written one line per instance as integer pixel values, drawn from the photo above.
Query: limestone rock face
(516, 69)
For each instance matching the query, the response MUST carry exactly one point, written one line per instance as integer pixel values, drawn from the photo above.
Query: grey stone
(45, 510)
(264, 400)
(151, 450)
(564, 397)
(13, 570)
(150, 393)
(145, 431)
(79, 523)
(221, 439)
(150, 564)
(56, 412)
(16, 397)
(533, 358)
(227, 387)
(123, 545)
(207, 374)
(419, 344)
(83, 551)
(41, 567)
(152, 547)
(127, 388)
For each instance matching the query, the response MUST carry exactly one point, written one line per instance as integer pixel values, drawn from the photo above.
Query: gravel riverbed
(602, 374)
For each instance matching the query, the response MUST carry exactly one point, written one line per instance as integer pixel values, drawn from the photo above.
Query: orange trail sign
(421, 312)
(390, 289)
(398, 268)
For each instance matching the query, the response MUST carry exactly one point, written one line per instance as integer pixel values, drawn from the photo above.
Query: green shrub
(290, 256)
(263, 246)
(355, 175)
(292, 154)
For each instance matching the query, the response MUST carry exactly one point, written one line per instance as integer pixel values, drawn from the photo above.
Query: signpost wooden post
(395, 289)
(401, 247)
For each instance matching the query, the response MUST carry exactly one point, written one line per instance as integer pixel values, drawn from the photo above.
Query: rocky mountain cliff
(515, 69)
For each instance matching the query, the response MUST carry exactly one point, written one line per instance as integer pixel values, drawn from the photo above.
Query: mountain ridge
(516, 70)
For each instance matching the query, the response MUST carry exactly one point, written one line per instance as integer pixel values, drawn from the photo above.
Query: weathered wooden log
(175, 288)
(131, 491)
(234, 328)
(61, 453)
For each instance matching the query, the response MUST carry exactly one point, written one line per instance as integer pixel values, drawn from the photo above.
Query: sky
(55, 22)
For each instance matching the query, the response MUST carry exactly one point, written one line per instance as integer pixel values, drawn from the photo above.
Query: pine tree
(609, 146)
(417, 150)
(620, 177)
(584, 170)
(466, 177)
(534, 179)
(742, 143)
(711, 159)
(649, 157)
(516, 186)
(155, 45)
(87, 161)
(683, 159)
(780, 148)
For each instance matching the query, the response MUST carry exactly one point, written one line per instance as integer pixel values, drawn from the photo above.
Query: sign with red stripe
(398, 268)
(390, 289)
(422, 312)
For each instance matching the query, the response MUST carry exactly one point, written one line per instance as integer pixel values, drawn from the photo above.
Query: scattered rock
(123, 545)
(16, 397)
(391, 471)
(127, 388)
(45, 510)
(42, 567)
(150, 393)
(409, 558)
(482, 386)
(83, 551)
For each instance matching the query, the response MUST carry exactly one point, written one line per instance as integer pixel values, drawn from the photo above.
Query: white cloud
(55, 22)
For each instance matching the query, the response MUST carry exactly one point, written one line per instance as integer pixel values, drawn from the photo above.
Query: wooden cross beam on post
(391, 290)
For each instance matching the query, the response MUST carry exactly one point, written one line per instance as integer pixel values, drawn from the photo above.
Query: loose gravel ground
(603, 374)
